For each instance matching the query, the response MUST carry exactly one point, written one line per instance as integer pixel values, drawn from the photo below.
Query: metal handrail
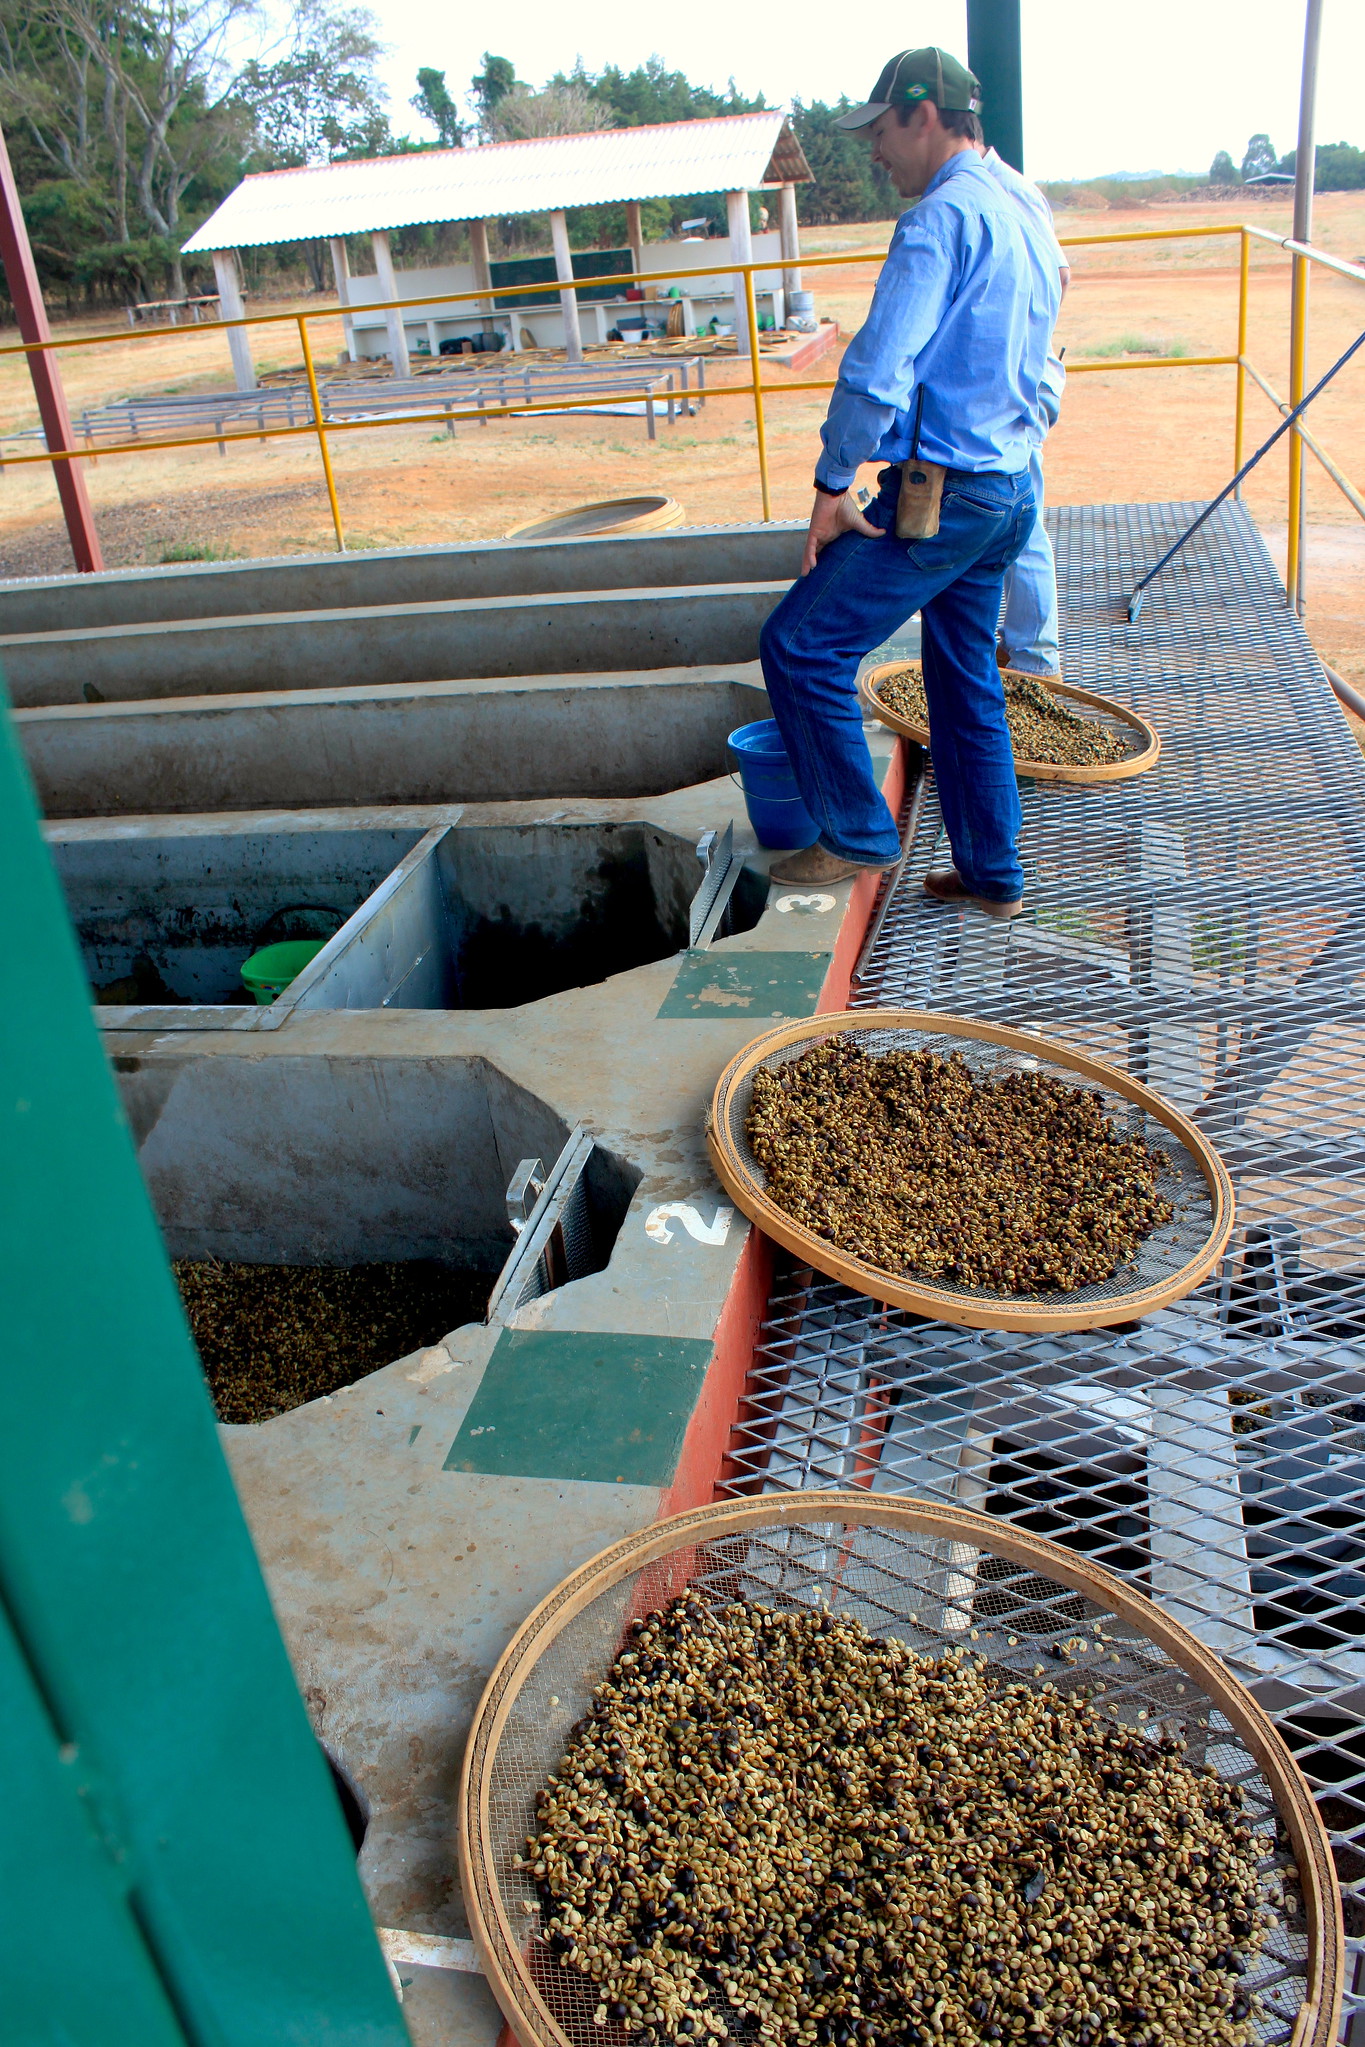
(754, 386)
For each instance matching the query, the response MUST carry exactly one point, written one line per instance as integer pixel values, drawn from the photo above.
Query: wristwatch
(827, 491)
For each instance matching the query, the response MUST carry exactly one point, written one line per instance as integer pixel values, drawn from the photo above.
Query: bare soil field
(1125, 435)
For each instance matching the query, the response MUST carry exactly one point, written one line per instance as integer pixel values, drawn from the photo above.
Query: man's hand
(829, 518)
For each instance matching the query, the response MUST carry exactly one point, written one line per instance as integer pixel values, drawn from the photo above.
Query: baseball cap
(914, 76)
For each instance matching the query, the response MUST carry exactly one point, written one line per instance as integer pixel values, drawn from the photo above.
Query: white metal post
(231, 307)
(635, 236)
(341, 271)
(791, 241)
(559, 235)
(483, 270)
(741, 250)
(388, 289)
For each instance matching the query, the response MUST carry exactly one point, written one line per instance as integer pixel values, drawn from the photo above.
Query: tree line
(128, 122)
(1337, 166)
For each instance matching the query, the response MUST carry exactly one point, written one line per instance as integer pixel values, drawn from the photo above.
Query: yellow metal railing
(755, 387)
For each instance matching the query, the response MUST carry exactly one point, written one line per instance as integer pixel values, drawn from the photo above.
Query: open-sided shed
(735, 154)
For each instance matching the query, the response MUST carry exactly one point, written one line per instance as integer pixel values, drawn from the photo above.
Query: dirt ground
(1124, 436)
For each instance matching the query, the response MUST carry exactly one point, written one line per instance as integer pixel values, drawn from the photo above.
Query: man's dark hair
(956, 120)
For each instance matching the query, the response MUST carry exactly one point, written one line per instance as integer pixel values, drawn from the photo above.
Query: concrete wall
(334, 1161)
(481, 636)
(196, 906)
(403, 575)
(433, 742)
(488, 917)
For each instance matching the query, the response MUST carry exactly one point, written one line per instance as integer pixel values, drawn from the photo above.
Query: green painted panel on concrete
(559, 1403)
(758, 984)
(126, 1568)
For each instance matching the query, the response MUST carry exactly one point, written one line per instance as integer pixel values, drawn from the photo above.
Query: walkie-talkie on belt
(921, 492)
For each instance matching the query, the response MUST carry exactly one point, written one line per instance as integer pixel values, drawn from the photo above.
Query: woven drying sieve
(935, 1578)
(1143, 747)
(1168, 1263)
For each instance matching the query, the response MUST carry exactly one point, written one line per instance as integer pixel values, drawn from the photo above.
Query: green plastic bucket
(268, 972)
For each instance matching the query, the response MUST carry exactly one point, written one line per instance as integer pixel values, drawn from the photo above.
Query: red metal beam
(22, 278)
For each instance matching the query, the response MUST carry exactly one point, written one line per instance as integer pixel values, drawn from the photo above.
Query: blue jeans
(857, 595)
(1028, 627)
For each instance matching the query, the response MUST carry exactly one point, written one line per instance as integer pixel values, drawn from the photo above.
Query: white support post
(741, 251)
(791, 242)
(388, 289)
(483, 271)
(231, 308)
(341, 271)
(559, 235)
(635, 236)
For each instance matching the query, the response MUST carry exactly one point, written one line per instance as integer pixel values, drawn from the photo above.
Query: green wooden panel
(617, 264)
(73, 1965)
(720, 986)
(562, 1403)
(125, 1564)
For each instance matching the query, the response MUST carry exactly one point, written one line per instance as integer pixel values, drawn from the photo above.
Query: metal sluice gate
(1202, 926)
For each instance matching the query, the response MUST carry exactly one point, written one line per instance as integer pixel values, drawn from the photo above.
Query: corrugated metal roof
(734, 153)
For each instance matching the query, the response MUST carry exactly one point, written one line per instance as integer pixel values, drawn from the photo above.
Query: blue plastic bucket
(779, 818)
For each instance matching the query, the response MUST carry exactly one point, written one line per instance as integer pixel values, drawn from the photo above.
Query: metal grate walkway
(1203, 926)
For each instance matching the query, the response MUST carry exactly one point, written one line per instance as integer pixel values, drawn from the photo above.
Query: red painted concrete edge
(858, 915)
(701, 1464)
(736, 1337)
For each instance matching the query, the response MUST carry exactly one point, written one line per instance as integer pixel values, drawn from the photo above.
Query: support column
(341, 271)
(559, 235)
(27, 299)
(741, 250)
(635, 235)
(483, 271)
(791, 241)
(388, 289)
(1305, 168)
(995, 55)
(231, 308)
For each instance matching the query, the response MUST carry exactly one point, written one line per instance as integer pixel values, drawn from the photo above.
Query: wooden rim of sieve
(1037, 771)
(1316, 2022)
(970, 1310)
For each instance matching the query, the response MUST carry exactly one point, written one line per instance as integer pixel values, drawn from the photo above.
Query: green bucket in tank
(268, 972)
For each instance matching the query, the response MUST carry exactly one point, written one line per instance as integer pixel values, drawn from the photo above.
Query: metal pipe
(1343, 483)
(1346, 693)
(26, 296)
(322, 432)
(1304, 167)
(760, 427)
(1239, 423)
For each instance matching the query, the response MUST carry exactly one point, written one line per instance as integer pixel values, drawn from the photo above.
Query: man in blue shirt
(947, 367)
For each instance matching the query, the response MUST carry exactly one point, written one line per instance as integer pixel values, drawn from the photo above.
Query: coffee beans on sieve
(1016, 1182)
(773, 1824)
(1042, 726)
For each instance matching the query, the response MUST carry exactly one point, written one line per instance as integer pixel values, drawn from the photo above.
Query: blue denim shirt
(965, 306)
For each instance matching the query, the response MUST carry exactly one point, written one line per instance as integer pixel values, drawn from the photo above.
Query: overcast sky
(1149, 84)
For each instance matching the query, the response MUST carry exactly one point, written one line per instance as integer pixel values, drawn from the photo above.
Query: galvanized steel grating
(1204, 928)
